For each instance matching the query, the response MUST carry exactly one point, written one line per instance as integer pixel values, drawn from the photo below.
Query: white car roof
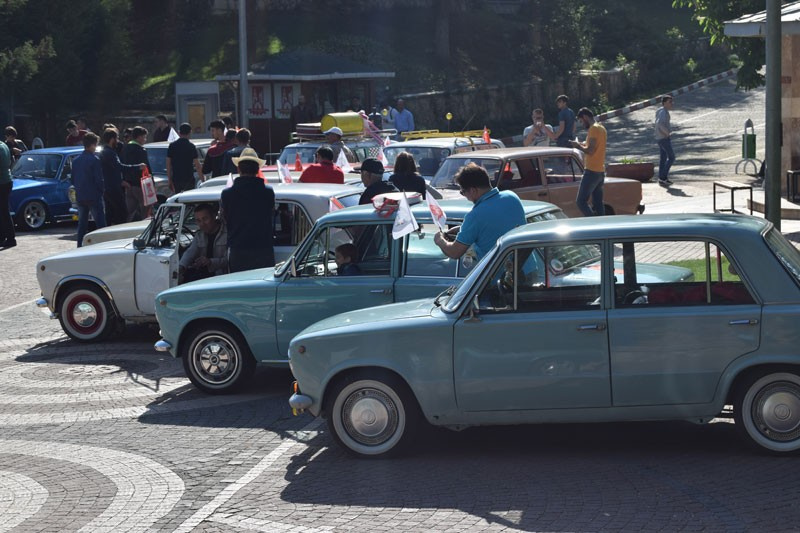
(291, 191)
(165, 144)
(443, 142)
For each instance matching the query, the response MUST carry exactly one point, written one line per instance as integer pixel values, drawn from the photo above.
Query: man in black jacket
(248, 207)
(242, 142)
(133, 154)
(114, 196)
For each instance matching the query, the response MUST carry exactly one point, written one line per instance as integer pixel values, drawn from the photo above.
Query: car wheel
(86, 314)
(767, 411)
(217, 359)
(33, 216)
(373, 417)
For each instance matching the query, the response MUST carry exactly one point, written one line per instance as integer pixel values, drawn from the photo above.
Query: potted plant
(631, 167)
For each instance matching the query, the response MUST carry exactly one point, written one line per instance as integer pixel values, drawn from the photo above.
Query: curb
(646, 103)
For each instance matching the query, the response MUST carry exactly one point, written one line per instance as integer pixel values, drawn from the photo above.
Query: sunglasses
(462, 192)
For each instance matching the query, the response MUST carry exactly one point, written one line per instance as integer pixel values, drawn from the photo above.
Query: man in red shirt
(75, 135)
(323, 171)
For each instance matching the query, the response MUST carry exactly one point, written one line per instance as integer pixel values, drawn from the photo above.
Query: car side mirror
(292, 267)
(139, 244)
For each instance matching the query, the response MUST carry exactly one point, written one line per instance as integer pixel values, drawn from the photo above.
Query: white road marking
(20, 498)
(17, 306)
(228, 492)
(146, 490)
(265, 526)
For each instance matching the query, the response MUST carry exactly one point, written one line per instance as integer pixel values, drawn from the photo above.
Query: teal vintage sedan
(511, 345)
(222, 327)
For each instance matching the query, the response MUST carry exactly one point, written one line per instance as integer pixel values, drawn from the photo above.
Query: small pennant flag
(334, 204)
(298, 163)
(283, 172)
(382, 157)
(438, 214)
(173, 135)
(387, 141)
(229, 183)
(486, 137)
(404, 221)
(343, 163)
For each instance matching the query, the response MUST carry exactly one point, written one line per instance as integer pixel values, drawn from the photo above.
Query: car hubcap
(370, 416)
(84, 315)
(776, 411)
(34, 215)
(216, 359)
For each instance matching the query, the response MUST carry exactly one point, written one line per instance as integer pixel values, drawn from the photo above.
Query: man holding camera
(535, 134)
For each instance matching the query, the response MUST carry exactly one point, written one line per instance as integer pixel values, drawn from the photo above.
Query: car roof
(501, 153)
(60, 150)
(165, 144)
(282, 191)
(440, 142)
(698, 225)
(455, 209)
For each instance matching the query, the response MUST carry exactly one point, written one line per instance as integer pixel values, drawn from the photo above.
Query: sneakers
(666, 182)
(8, 243)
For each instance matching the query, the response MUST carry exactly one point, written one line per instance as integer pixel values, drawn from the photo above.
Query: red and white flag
(334, 204)
(387, 141)
(382, 157)
(283, 172)
(343, 163)
(438, 214)
(404, 221)
(298, 164)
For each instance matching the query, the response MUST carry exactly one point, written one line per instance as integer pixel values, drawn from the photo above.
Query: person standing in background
(14, 145)
(161, 133)
(87, 178)
(594, 165)
(183, 160)
(212, 164)
(8, 238)
(565, 133)
(114, 195)
(133, 154)
(302, 113)
(403, 118)
(74, 134)
(535, 134)
(242, 139)
(664, 138)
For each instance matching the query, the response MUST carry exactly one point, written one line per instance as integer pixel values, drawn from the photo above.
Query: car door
(291, 225)
(672, 336)
(58, 201)
(562, 174)
(524, 177)
(313, 290)
(156, 261)
(534, 343)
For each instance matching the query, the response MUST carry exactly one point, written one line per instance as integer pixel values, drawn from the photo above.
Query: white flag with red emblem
(438, 214)
(387, 141)
(343, 163)
(173, 135)
(283, 173)
(382, 158)
(229, 183)
(404, 221)
(334, 204)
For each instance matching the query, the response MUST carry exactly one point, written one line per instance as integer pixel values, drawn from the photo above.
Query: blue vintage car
(42, 179)
(222, 327)
(511, 345)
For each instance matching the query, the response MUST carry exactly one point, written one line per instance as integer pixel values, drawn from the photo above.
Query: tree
(712, 14)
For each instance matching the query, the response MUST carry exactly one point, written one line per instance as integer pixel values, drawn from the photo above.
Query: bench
(732, 186)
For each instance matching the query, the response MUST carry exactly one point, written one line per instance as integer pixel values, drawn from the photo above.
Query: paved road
(112, 437)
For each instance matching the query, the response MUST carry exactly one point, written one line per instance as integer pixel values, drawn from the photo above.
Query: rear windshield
(785, 252)
(37, 166)
(444, 176)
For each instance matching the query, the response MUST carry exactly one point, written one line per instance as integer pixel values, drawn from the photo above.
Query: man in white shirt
(534, 135)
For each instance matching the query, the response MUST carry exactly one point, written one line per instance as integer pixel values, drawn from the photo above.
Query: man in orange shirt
(323, 171)
(594, 170)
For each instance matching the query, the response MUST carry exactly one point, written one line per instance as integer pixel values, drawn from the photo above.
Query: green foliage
(711, 16)
(631, 160)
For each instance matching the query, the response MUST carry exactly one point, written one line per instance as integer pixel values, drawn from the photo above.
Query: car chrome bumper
(162, 346)
(299, 402)
(42, 304)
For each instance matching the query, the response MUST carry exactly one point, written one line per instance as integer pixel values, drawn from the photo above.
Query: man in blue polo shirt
(495, 213)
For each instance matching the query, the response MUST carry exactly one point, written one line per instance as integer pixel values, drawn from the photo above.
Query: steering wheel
(635, 297)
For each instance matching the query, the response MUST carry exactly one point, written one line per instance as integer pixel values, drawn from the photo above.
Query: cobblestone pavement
(112, 437)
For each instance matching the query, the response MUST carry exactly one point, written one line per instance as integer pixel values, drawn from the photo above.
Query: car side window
(424, 258)
(291, 224)
(520, 173)
(547, 278)
(560, 169)
(369, 249)
(676, 273)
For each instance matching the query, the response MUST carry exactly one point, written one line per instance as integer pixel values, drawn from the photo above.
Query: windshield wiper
(447, 292)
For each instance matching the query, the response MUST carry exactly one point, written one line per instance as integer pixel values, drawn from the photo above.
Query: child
(345, 260)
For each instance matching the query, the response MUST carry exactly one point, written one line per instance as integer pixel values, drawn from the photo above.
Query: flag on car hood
(283, 172)
(404, 221)
(438, 214)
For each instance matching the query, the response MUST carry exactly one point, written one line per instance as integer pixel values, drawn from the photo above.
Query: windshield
(37, 166)
(289, 154)
(350, 200)
(428, 159)
(444, 176)
(466, 284)
(157, 157)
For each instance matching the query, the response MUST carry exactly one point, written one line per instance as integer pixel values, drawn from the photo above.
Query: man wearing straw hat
(248, 208)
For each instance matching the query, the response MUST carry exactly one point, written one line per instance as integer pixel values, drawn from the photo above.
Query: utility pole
(243, 111)
(772, 183)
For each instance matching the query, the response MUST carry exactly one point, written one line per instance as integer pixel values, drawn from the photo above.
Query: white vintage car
(95, 289)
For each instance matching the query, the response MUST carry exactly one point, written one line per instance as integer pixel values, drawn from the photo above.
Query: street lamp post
(243, 111)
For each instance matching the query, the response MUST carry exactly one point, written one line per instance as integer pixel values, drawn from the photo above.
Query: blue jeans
(666, 159)
(97, 209)
(591, 185)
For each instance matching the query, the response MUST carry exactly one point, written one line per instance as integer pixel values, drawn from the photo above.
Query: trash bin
(749, 141)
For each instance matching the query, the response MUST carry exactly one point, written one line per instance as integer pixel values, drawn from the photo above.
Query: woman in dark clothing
(405, 176)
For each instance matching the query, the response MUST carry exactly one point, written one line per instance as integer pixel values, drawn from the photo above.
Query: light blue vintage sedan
(223, 326)
(512, 345)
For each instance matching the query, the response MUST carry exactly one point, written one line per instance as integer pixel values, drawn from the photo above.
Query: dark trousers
(6, 222)
(116, 209)
(98, 213)
(591, 185)
(240, 259)
(667, 157)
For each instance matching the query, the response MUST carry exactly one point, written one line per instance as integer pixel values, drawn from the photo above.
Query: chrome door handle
(744, 322)
(164, 261)
(380, 291)
(592, 327)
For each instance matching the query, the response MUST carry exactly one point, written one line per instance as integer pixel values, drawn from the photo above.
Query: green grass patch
(698, 267)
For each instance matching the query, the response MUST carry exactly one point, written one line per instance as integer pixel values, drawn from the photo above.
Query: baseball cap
(372, 165)
(336, 130)
(248, 154)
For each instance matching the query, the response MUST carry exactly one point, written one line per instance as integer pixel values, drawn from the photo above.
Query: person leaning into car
(208, 254)
(248, 210)
(494, 214)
